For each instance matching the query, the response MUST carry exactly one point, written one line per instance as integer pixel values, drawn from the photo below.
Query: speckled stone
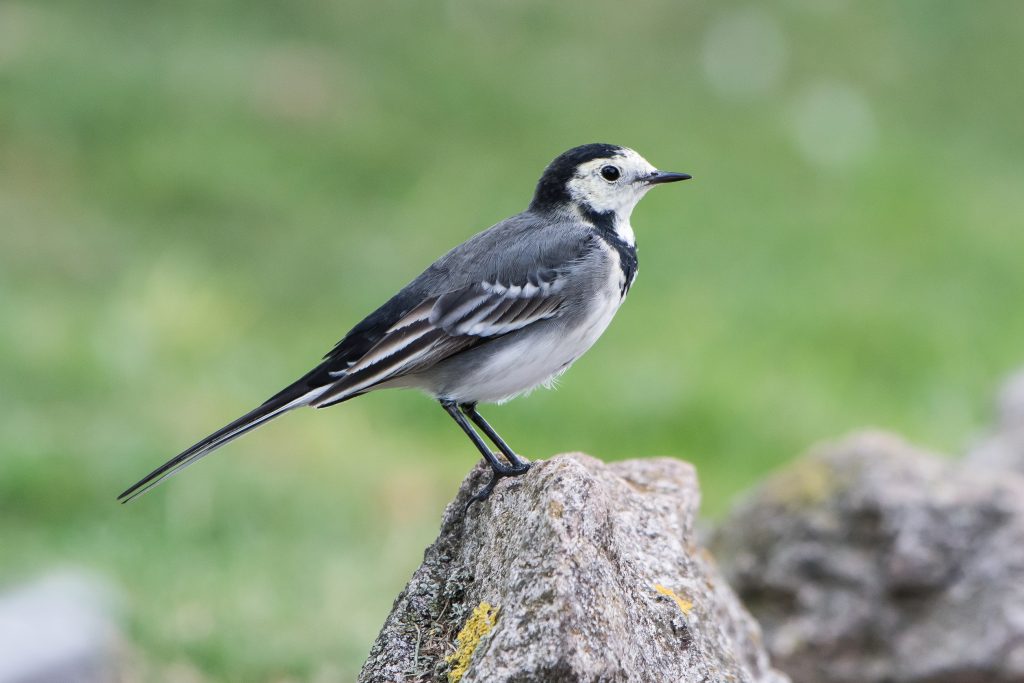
(596, 574)
(1003, 446)
(870, 561)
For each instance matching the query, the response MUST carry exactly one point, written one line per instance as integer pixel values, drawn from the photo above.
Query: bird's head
(598, 178)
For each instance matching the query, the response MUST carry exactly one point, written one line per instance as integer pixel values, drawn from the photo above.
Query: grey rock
(592, 573)
(1003, 450)
(1010, 402)
(1003, 446)
(59, 628)
(871, 561)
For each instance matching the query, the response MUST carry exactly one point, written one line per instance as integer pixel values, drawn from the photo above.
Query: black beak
(659, 177)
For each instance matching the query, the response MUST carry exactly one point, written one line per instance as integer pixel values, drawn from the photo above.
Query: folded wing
(443, 325)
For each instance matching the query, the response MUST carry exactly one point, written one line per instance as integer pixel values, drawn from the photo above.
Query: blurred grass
(198, 199)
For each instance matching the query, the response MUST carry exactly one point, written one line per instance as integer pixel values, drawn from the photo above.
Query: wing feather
(443, 325)
(501, 309)
(496, 308)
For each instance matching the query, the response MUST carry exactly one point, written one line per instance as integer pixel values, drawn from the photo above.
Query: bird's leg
(499, 468)
(519, 464)
(497, 465)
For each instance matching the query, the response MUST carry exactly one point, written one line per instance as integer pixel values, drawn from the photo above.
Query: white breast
(538, 359)
(625, 231)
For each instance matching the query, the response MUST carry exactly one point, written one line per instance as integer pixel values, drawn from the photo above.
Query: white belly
(537, 359)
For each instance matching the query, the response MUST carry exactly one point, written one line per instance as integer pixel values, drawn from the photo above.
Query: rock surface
(59, 628)
(578, 571)
(870, 561)
(1003, 447)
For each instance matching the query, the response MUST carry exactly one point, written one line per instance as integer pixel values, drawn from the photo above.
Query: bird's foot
(516, 470)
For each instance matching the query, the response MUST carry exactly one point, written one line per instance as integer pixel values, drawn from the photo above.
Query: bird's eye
(610, 173)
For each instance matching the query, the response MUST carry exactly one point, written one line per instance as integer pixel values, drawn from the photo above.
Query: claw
(485, 493)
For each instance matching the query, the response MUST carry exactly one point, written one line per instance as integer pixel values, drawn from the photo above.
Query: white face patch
(617, 196)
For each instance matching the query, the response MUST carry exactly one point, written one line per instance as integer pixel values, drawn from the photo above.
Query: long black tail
(278, 405)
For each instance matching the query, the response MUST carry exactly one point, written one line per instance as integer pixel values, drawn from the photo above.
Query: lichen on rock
(599, 575)
(910, 569)
(684, 605)
(480, 623)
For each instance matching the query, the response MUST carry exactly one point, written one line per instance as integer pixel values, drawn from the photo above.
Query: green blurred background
(198, 198)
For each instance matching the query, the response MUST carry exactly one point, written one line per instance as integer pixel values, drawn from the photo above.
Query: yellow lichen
(481, 622)
(684, 605)
(805, 483)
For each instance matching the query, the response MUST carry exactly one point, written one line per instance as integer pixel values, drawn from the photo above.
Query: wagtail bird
(507, 310)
